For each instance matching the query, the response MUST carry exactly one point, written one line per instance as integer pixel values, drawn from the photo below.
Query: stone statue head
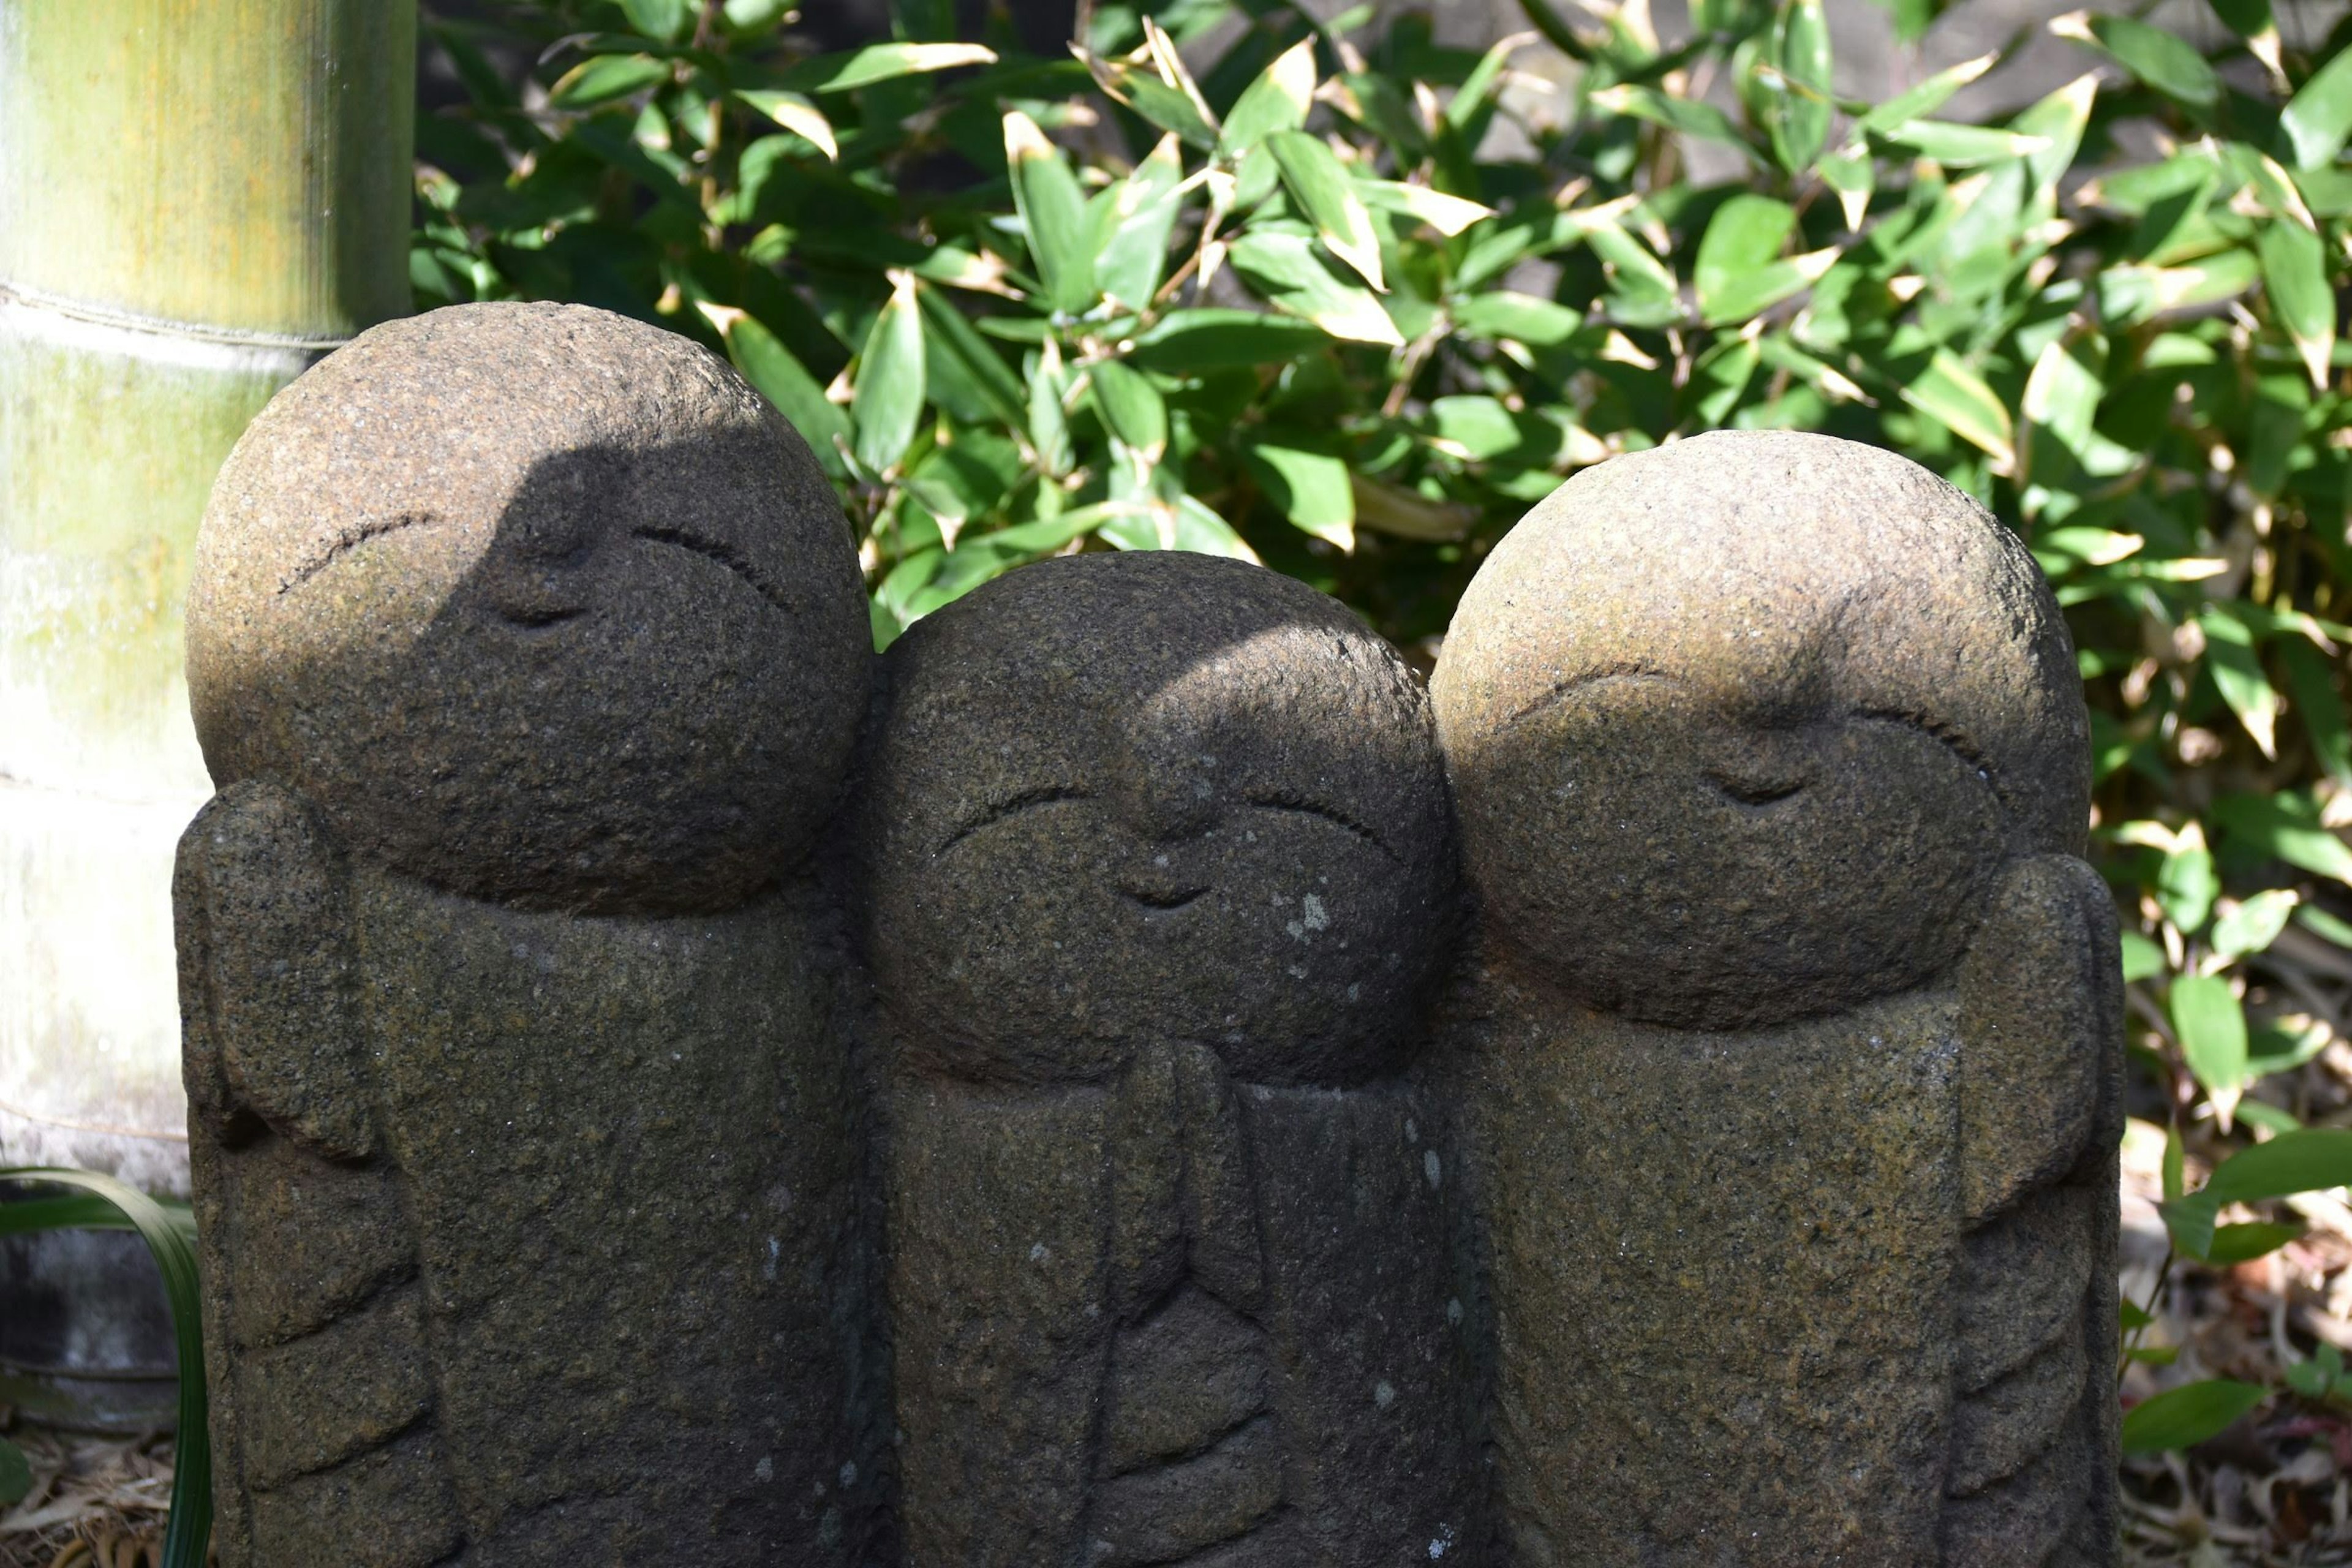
(1119, 798)
(537, 604)
(1741, 728)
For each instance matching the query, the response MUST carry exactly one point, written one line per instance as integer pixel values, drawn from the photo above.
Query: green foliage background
(1325, 297)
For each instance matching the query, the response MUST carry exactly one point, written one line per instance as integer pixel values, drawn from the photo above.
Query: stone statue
(1158, 865)
(527, 647)
(1792, 1093)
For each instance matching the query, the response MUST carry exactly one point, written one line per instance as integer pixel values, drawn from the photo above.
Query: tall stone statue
(527, 648)
(1159, 871)
(1792, 1099)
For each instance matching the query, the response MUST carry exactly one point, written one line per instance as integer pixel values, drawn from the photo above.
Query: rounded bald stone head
(537, 604)
(1741, 728)
(1121, 798)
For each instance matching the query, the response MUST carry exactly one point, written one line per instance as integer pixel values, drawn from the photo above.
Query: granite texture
(527, 648)
(1157, 873)
(1790, 1079)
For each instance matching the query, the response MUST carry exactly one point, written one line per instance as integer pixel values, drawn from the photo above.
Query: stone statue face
(1154, 797)
(1723, 766)
(537, 604)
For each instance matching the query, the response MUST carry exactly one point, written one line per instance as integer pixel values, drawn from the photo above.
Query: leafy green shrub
(1341, 300)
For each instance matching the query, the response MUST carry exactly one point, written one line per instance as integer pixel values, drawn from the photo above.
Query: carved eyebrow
(1287, 800)
(1047, 795)
(1619, 671)
(1950, 735)
(347, 540)
(725, 554)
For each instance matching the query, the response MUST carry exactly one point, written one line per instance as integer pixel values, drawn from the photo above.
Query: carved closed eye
(1560, 691)
(1012, 806)
(1305, 805)
(1949, 735)
(726, 555)
(329, 550)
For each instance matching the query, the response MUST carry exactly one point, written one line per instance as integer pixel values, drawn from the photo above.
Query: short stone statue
(1158, 864)
(527, 647)
(1792, 1097)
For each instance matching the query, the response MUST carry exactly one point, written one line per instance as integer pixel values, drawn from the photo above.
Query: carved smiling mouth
(1162, 898)
(1756, 789)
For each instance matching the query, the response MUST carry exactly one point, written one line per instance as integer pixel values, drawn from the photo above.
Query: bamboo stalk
(196, 201)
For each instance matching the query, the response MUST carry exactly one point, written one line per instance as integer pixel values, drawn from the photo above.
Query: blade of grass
(170, 1236)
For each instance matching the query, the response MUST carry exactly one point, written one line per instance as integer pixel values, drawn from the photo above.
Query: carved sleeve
(314, 1341)
(263, 913)
(2031, 1473)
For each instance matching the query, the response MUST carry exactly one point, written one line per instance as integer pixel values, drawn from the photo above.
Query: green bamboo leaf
(888, 401)
(880, 62)
(2057, 121)
(949, 335)
(171, 1237)
(1963, 146)
(1312, 488)
(1927, 97)
(2185, 1416)
(2234, 1244)
(1132, 408)
(1852, 178)
(1689, 116)
(2310, 681)
(1472, 95)
(1449, 215)
(2165, 62)
(2142, 959)
(1049, 419)
(1165, 104)
(2325, 926)
(2253, 925)
(2308, 1159)
(1801, 50)
(1326, 196)
(2294, 275)
(16, 1475)
(1131, 259)
(2212, 1029)
(1738, 274)
(2187, 883)
(1282, 268)
(2319, 117)
(2288, 827)
(1278, 100)
(1188, 343)
(1186, 523)
(662, 19)
(605, 78)
(1053, 215)
(783, 381)
(796, 114)
(1521, 318)
(1949, 392)
(2237, 670)
(2247, 18)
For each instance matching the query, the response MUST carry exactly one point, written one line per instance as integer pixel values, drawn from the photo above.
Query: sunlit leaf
(783, 381)
(1131, 259)
(1132, 407)
(606, 77)
(880, 62)
(1801, 52)
(1447, 214)
(1737, 273)
(2294, 275)
(1053, 215)
(2237, 670)
(2164, 60)
(1278, 100)
(2319, 117)
(1927, 97)
(2213, 1030)
(796, 114)
(1312, 490)
(889, 402)
(2284, 825)
(2253, 925)
(1284, 269)
(1326, 196)
(662, 19)
(1948, 390)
